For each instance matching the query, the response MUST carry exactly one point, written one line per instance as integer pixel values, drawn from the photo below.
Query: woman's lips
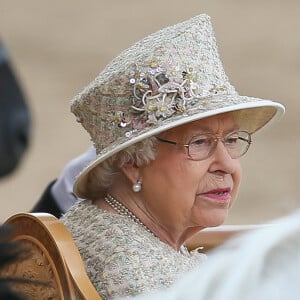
(220, 195)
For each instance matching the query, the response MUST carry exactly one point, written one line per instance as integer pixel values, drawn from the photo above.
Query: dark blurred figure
(15, 123)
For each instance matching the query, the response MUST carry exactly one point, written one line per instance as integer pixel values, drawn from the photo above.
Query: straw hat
(170, 78)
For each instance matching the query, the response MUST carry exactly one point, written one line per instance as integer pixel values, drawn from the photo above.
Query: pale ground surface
(59, 46)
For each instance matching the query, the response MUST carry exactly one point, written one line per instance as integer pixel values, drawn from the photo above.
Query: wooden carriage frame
(54, 260)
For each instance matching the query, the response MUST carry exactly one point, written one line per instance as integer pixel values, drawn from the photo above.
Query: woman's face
(178, 192)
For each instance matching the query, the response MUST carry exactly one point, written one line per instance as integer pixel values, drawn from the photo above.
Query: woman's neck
(127, 206)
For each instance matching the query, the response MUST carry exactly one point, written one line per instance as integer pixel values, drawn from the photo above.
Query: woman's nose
(221, 159)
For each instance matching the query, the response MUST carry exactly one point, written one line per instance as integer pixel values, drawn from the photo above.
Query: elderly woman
(169, 130)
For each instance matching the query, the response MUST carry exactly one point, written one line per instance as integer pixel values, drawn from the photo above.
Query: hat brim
(251, 114)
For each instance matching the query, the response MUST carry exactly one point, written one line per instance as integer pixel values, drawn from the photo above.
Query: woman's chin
(216, 219)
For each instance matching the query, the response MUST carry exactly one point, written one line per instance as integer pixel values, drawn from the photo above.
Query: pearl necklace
(124, 211)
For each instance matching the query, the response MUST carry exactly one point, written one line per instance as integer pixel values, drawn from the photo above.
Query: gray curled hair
(102, 176)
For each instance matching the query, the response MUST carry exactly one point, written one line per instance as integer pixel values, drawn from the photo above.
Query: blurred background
(57, 47)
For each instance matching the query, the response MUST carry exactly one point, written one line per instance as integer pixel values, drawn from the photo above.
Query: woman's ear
(132, 172)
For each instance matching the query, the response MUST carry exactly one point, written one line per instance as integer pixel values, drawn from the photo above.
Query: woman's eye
(232, 140)
(201, 142)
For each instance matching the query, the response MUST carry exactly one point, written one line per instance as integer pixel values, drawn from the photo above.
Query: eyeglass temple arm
(245, 140)
(166, 141)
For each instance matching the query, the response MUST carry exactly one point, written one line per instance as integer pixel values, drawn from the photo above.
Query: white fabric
(261, 265)
(62, 190)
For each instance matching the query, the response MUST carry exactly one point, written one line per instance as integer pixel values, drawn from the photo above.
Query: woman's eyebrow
(206, 129)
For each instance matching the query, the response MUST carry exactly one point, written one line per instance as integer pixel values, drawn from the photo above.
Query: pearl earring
(136, 187)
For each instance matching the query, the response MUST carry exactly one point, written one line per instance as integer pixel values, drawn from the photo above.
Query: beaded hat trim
(169, 78)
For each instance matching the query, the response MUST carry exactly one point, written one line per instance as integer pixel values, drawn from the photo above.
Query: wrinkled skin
(15, 120)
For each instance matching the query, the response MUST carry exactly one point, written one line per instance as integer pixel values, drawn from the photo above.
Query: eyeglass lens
(203, 145)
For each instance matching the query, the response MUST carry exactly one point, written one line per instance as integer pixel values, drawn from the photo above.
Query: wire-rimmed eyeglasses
(203, 145)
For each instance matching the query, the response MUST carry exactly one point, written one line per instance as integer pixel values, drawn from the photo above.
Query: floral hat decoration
(170, 78)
